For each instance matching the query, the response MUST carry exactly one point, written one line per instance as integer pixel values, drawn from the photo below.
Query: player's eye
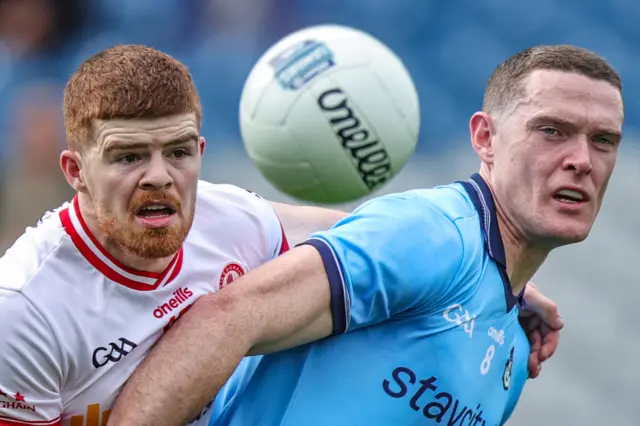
(604, 140)
(180, 153)
(550, 131)
(129, 158)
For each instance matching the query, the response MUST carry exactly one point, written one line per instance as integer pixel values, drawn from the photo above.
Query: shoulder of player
(31, 254)
(449, 200)
(36, 276)
(441, 207)
(453, 203)
(432, 208)
(229, 196)
(227, 208)
(443, 215)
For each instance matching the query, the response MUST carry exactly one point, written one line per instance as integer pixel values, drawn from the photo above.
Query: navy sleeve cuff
(339, 294)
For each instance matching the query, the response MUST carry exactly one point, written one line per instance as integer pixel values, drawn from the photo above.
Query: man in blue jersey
(418, 290)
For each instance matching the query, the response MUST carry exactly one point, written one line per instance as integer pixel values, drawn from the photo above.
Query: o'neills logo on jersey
(180, 296)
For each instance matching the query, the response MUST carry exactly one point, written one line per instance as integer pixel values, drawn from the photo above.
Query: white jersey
(75, 323)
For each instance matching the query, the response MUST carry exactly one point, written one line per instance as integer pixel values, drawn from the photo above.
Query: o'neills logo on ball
(231, 272)
(361, 141)
(180, 296)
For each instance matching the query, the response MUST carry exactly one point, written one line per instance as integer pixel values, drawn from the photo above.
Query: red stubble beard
(147, 243)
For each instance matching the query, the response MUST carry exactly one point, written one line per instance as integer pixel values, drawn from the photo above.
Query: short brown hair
(505, 83)
(126, 82)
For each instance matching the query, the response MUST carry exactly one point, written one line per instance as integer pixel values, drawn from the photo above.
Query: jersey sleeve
(29, 375)
(277, 240)
(392, 257)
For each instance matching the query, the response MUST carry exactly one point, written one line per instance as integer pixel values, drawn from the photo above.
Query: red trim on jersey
(284, 246)
(178, 261)
(10, 421)
(134, 279)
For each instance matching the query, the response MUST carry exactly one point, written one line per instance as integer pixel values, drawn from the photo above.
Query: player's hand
(542, 323)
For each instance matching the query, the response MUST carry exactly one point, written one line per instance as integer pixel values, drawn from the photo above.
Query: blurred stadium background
(450, 48)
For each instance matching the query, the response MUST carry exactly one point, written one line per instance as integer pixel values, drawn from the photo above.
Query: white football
(329, 114)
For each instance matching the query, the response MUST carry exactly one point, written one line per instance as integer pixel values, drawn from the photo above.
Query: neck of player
(121, 254)
(523, 257)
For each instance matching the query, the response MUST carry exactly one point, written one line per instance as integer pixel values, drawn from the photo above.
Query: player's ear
(202, 145)
(71, 164)
(482, 136)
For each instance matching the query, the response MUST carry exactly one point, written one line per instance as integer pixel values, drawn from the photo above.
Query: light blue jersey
(426, 326)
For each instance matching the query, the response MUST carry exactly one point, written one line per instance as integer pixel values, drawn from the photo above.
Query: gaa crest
(508, 367)
(231, 272)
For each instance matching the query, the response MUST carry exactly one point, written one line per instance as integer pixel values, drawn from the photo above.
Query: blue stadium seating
(449, 47)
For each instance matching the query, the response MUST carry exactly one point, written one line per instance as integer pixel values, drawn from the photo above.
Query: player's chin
(569, 227)
(156, 243)
(154, 250)
(570, 231)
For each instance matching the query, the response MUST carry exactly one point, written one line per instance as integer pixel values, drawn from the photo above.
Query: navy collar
(482, 199)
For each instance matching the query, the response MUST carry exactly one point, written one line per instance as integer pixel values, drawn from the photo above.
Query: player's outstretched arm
(299, 222)
(281, 304)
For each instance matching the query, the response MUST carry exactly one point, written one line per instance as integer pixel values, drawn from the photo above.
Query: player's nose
(156, 175)
(578, 159)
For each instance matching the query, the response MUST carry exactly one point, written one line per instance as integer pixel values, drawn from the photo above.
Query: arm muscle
(281, 304)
